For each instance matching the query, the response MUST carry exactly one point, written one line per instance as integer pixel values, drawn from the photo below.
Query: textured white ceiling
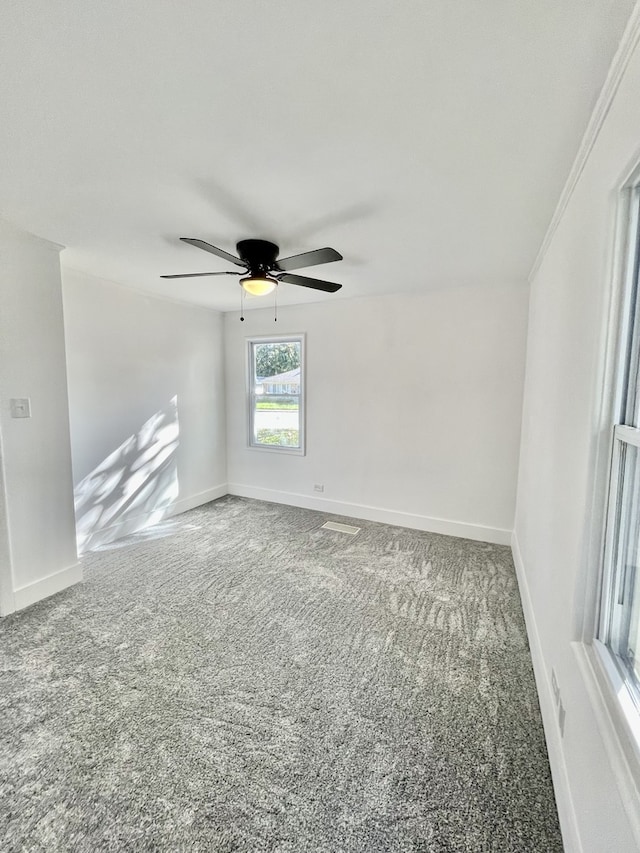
(427, 140)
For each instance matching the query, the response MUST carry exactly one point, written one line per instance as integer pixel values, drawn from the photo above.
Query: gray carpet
(240, 680)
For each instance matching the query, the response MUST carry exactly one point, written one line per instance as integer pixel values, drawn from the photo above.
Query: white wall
(36, 509)
(130, 356)
(413, 409)
(561, 434)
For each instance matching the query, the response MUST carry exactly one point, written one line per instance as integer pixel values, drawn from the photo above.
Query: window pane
(624, 639)
(276, 420)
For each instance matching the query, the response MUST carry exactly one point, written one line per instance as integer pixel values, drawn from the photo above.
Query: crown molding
(614, 77)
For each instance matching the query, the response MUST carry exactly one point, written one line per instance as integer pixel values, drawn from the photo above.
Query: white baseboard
(460, 529)
(191, 502)
(7, 602)
(564, 801)
(44, 587)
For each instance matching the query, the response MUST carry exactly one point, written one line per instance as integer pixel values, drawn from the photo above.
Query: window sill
(274, 448)
(618, 723)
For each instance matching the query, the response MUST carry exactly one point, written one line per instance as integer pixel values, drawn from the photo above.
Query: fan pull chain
(241, 304)
(275, 304)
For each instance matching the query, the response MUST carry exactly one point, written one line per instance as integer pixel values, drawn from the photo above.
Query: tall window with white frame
(618, 631)
(275, 392)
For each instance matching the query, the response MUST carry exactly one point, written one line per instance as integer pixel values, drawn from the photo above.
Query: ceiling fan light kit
(263, 270)
(258, 285)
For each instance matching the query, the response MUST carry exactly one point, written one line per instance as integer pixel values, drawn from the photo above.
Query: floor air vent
(341, 528)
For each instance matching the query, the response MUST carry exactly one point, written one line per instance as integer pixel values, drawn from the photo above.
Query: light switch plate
(20, 407)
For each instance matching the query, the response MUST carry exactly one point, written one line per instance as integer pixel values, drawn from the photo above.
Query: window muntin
(276, 393)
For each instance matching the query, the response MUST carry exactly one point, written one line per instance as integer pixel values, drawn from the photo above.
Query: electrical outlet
(20, 407)
(318, 487)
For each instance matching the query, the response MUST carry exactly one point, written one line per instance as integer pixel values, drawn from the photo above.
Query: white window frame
(613, 700)
(298, 338)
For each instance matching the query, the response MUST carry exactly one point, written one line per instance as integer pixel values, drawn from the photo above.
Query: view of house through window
(275, 393)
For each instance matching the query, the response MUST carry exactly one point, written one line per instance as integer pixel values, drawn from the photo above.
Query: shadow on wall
(135, 486)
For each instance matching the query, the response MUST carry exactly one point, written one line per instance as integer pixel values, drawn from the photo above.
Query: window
(618, 631)
(276, 393)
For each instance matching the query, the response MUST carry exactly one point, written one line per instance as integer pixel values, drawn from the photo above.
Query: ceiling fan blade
(198, 274)
(207, 247)
(315, 283)
(308, 259)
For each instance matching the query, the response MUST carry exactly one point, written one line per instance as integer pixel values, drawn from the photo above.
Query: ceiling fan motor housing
(259, 255)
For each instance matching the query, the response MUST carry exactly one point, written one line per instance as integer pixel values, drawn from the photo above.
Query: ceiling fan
(263, 270)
